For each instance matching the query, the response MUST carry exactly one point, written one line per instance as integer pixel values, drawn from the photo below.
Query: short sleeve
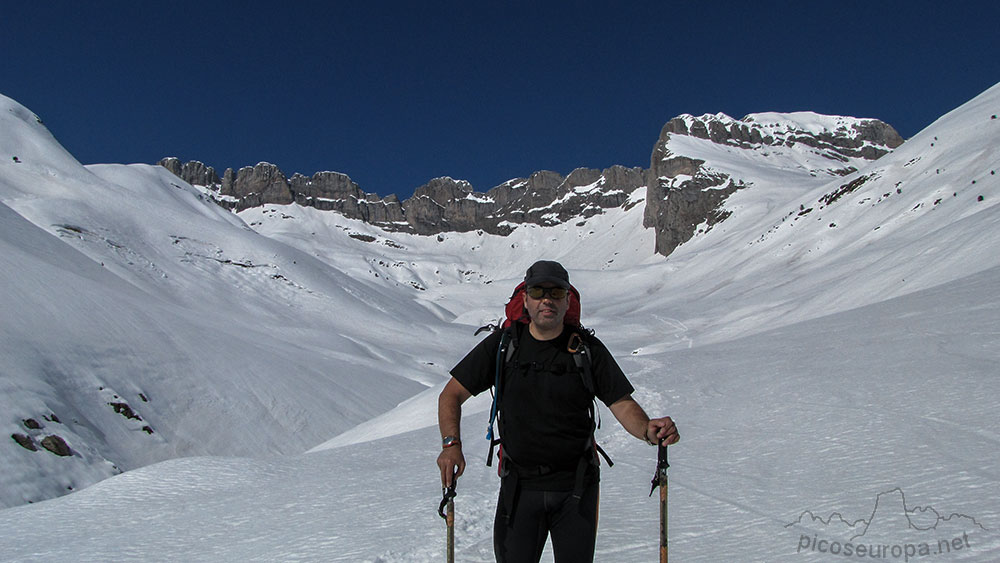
(477, 370)
(610, 382)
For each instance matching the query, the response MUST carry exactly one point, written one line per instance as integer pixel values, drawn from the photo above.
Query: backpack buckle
(574, 343)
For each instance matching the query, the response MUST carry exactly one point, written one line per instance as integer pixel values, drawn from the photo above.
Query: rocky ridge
(682, 191)
(441, 205)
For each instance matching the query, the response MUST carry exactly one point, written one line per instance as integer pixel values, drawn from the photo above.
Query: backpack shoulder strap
(505, 351)
(580, 349)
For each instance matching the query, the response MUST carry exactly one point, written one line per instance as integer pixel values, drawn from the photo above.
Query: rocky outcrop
(443, 205)
(674, 209)
(194, 172)
(683, 195)
(254, 186)
(25, 442)
(333, 191)
(57, 445)
(52, 443)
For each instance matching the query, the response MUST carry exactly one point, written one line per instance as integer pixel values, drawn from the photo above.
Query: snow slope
(773, 425)
(124, 287)
(833, 372)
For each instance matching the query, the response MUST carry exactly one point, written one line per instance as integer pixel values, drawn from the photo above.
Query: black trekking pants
(573, 526)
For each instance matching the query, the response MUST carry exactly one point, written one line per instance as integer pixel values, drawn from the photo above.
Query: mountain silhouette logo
(891, 514)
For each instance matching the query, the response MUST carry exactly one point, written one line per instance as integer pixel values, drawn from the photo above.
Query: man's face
(546, 312)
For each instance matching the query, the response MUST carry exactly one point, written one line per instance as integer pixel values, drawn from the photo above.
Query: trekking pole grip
(448, 495)
(447, 511)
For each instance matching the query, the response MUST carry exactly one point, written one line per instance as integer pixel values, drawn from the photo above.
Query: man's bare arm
(451, 461)
(635, 420)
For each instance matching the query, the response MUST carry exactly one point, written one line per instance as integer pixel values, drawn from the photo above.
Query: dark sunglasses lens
(539, 292)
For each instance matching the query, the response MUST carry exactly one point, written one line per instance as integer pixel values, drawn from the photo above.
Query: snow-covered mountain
(699, 162)
(820, 342)
(683, 192)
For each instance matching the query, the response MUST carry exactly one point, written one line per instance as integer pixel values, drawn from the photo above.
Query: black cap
(547, 271)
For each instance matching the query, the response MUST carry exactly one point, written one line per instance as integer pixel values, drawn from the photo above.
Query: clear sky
(397, 93)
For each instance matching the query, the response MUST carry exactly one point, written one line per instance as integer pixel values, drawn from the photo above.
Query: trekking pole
(448, 503)
(660, 480)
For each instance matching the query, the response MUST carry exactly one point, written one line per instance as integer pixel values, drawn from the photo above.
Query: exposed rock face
(675, 209)
(25, 442)
(253, 186)
(681, 196)
(56, 445)
(442, 205)
(194, 172)
(257, 185)
(682, 193)
(546, 198)
(333, 191)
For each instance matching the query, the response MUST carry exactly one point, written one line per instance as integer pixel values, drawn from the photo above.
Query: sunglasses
(540, 292)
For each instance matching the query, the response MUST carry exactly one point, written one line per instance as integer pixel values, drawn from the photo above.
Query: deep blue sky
(396, 93)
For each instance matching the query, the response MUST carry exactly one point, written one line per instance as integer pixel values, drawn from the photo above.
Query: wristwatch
(655, 442)
(449, 441)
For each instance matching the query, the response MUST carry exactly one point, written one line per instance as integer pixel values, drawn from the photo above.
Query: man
(550, 478)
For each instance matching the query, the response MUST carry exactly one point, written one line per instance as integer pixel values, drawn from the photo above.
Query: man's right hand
(451, 461)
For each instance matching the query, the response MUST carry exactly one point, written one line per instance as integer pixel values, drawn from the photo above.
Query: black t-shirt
(544, 406)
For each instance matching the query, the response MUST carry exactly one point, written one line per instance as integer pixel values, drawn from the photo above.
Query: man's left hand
(662, 431)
